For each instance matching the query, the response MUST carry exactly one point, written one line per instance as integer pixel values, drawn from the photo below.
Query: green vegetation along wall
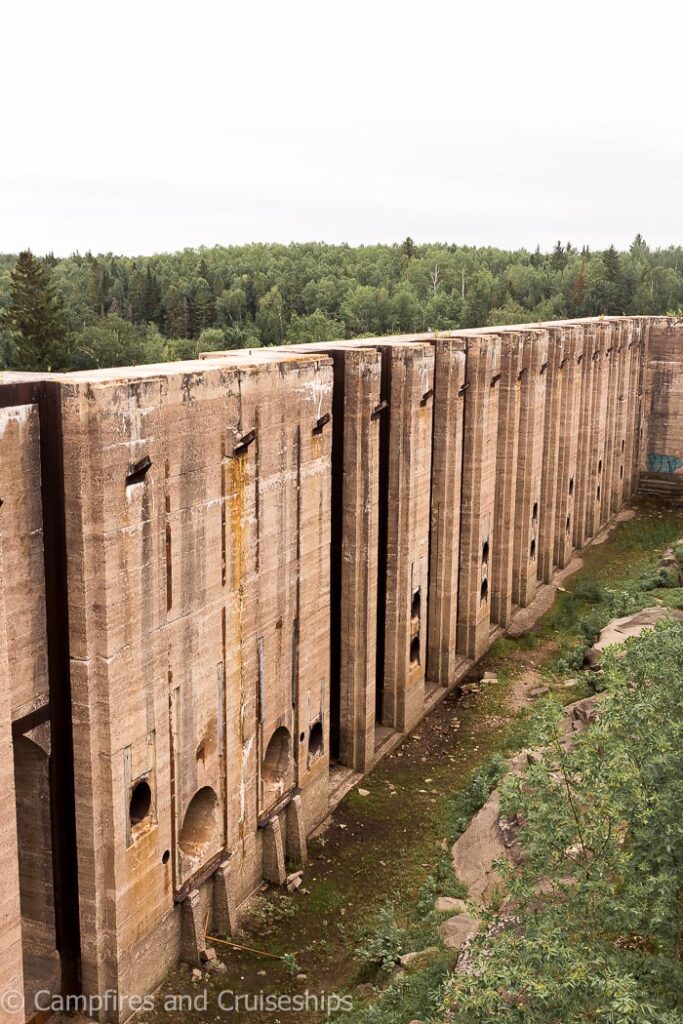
(91, 311)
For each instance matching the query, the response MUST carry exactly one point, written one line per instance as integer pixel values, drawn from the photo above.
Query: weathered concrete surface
(199, 604)
(478, 493)
(23, 572)
(444, 580)
(662, 459)
(529, 467)
(11, 967)
(411, 404)
(509, 403)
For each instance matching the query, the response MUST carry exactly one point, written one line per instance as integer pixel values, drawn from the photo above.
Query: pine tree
(408, 248)
(558, 260)
(35, 316)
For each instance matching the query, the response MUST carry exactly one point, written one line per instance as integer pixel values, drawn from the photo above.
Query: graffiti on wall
(663, 463)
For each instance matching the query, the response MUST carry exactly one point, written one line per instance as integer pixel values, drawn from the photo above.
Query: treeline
(89, 311)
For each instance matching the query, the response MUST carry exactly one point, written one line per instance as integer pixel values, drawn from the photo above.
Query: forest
(89, 311)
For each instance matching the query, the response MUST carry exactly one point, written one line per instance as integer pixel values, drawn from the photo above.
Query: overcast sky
(139, 127)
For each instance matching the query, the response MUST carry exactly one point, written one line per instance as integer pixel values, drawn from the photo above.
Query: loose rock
(457, 930)
(450, 905)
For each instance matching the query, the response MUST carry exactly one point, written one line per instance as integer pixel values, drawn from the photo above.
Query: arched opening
(276, 769)
(415, 651)
(623, 444)
(36, 891)
(484, 590)
(416, 605)
(532, 548)
(201, 825)
(315, 740)
(571, 486)
(598, 494)
(534, 512)
(600, 466)
(621, 472)
(140, 802)
(485, 552)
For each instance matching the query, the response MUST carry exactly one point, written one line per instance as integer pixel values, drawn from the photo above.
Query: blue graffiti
(663, 463)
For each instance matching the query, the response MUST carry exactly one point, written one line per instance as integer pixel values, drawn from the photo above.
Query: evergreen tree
(36, 317)
(408, 248)
(558, 260)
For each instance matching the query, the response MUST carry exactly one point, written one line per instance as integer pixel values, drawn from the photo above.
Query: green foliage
(381, 941)
(272, 294)
(603, 826)
(34, 317)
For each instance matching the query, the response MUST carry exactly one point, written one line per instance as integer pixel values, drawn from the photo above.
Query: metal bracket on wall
(244, 442)
(322, 422)
(379, 409)
(138, 470)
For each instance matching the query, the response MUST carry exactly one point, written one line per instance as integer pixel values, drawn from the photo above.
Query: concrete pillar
(570, 393)
(586, 407)
(509, 403)
(274, 867)
(11, 966)
(297, 846)
(597, 441)
(411, 401)
(550, 468)
(193, 929)
(355, 493)
(643, 424)
(225, 915)
(449, 406)
(623, 371)
(631, 408)
(612, 359)
(529, 466)
(478, 493)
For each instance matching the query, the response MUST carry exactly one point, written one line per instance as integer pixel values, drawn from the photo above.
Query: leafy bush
(381, 942)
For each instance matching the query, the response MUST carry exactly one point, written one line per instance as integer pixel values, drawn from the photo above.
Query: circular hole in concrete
(315, 740)
(140, 802)
(166, 856)
(200, 823)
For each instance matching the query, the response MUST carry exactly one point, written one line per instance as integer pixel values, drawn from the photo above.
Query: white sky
(140, 127)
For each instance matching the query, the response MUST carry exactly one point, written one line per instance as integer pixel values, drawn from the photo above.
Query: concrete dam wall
(230, 586)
